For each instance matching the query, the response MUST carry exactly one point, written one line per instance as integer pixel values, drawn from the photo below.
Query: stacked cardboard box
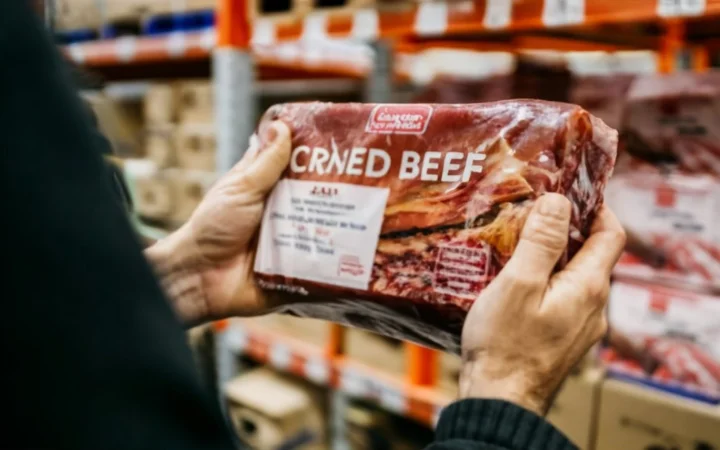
(180, 141)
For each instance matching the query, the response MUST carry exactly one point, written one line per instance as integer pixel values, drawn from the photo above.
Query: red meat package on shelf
(665, 337)
(395, 217)
(666, 188)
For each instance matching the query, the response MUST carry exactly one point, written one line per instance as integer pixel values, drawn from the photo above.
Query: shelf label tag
(392, 399)
(280, 356)
(125, 48)
(679, 8)
(76, 53)
(498, 14)
(263, 32)
(563, 12)
(354, 384)
(365, 25)
(176, 44)
(208, 39)
(316, 369)
(315, 27)
(431, 18)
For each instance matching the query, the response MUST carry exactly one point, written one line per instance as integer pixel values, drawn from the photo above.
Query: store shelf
(289, 354)
(458, 17)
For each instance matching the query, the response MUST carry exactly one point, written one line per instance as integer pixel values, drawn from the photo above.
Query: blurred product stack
(180, 145)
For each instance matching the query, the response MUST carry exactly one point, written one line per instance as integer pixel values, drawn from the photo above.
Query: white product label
(648, 206)
(678, 8)
(236, 339)
(321, 232)
(563, 12)
(280, 356)
(263, 32)
(461, 271)
(365, 24)
(497, 13)
(431, 18)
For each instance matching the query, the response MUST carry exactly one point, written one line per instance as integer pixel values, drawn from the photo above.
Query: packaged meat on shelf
(395, 217)
(675, 118)
(671, 219)
(601, 80)
(666, 338)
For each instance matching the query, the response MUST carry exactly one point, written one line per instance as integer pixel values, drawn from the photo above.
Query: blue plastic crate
(186, 21)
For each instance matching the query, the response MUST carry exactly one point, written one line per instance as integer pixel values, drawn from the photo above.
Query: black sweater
(93, 356)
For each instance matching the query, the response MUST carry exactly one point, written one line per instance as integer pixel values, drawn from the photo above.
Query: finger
(249, 156)
(543, 239)
(269, 164)
(601, 251)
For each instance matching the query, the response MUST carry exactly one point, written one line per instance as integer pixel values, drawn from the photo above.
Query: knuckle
(546, 231)
(597, 289)
(525, 281)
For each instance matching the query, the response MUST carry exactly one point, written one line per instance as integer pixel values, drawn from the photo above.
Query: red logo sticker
(665, 197)
(350, 265)
(399, 119)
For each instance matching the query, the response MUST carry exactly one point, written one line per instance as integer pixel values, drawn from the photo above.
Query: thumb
(271, 161)
(543, 239)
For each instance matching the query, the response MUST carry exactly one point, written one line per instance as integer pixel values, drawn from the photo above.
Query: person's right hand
(529, 327)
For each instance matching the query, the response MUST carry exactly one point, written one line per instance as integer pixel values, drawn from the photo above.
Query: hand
(206, 267)
(529, 327)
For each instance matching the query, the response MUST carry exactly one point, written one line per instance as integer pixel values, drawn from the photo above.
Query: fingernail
(554, 205)
(272, 134)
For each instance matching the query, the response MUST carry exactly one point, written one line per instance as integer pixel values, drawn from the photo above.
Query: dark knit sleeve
(481, 424)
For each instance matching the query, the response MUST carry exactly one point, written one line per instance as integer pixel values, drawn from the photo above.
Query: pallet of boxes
(179, 142)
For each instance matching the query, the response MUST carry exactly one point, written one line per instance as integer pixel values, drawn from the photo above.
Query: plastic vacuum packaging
(665, 337)
(671, 219)
(395, 217)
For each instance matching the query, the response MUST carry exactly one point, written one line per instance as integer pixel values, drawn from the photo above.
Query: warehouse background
(178, 86)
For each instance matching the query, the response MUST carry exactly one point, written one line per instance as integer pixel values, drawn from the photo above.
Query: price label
(315, 27)
(280, 356)
(365, 25)
(497, 14)
(355, 384)
(263, 32)
(208, 39)
(431, 18)
(316, 369)
(679, 8)
(236, 339)
(563, 12)
(125, 48)
(392, 399)
(176, 44)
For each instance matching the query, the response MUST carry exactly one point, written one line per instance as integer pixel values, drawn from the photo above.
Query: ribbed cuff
(499, 423)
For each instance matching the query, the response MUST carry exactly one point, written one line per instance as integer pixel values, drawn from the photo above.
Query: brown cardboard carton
(196, 101)
(160, 145)
(187, 187)
(160, 105)
(574, 410)
(634, 417)
(76, 14)
(153, 197)
(120, 121)
(195, 146)
(270, 410)
(382, 353)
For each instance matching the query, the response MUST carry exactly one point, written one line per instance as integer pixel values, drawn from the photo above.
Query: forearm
(178, 270)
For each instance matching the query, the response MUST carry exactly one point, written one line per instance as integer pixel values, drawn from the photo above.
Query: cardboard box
(574, 410)
(120, 121)
(160, 104)
(195, 146)
(76, 14)
(379, 352)
(187, 187)
(639, 418)
(153, 197)
(273, 411)
(196, 101)
(160, 145)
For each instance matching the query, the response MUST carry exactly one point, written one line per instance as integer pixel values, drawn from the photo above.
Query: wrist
(178, 265)
(517, 387)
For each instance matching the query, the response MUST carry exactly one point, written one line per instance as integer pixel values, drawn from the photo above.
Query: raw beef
(675, 118)
(395, 217)
(666, 337)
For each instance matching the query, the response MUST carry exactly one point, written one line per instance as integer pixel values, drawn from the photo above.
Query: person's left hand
(206, 267)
